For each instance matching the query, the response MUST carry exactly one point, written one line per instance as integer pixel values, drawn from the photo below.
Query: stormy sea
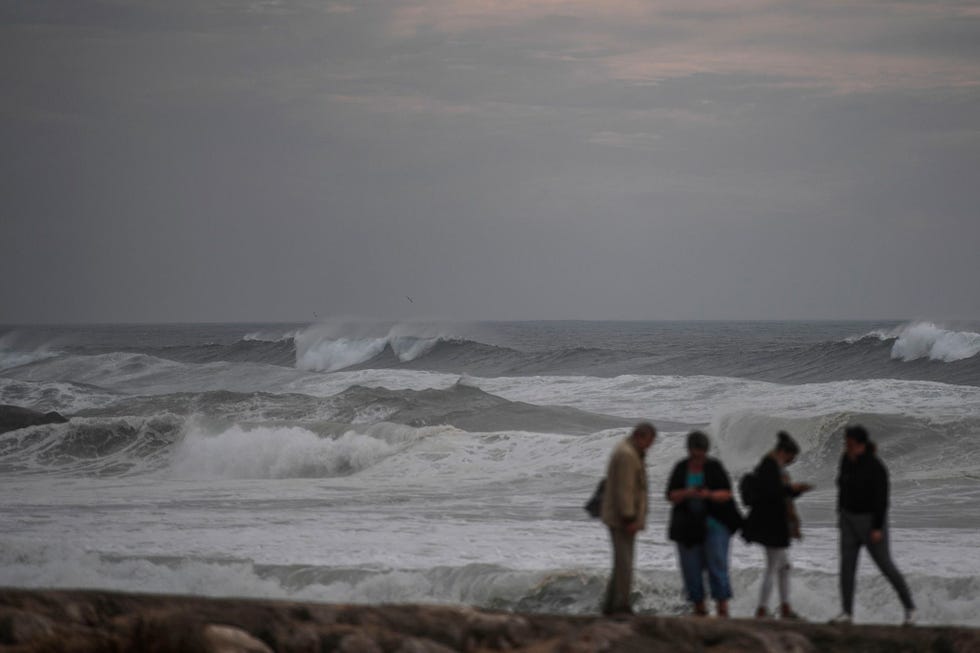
(448, 463)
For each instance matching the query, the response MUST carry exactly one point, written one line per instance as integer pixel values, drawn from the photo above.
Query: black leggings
(855, 532)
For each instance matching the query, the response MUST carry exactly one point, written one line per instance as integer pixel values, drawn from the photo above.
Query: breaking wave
(926, 340)
(13, 353)
(91, 446)
(321, 349)
(286, 452)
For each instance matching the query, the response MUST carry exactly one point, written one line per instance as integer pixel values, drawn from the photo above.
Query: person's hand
(632, 527)
(877, 536)
(800, 488)
(719, 496)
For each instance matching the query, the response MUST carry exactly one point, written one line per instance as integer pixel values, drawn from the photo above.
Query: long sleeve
(771, 487)
(879, 506)
(676, 480)
(621, 481)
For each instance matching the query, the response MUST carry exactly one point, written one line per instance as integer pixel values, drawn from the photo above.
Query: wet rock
(228, 639)
(15, 417)
(18, 627)
(43, 621)
(358, 643)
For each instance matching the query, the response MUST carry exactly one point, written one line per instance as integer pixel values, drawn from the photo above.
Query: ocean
(448, 463)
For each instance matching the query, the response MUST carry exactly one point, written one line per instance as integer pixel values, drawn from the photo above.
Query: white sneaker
(842, 618)
(909, 618)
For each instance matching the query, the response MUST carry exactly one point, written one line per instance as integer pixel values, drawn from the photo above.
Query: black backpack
(748, 489)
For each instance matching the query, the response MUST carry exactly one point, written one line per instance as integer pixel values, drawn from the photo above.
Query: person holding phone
(703, 518)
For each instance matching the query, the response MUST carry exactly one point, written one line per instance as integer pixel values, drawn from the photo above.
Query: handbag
(594, 505)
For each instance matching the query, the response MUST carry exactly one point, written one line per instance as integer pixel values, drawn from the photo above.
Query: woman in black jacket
(702, 521)
(862, 506)
(771, 520)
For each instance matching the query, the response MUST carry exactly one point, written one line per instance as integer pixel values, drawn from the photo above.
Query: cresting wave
(174, 448)
(927, 340)
(14, 353)
(287, 452)
(331, 347)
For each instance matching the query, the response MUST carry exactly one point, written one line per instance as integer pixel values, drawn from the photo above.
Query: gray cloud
(268, 160)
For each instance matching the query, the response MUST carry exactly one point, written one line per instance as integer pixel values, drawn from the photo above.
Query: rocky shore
(80, 621)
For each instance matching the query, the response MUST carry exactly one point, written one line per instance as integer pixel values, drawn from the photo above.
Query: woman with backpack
(702, 521)
(772, 519)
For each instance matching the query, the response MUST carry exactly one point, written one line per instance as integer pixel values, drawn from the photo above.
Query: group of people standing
(704, 516)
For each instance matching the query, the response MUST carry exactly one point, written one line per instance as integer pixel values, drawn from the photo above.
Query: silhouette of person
(702, 521)
(862, 506)
(772, 520)
(624, 510)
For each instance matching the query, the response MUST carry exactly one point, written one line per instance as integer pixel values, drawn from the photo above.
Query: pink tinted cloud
(815, 45)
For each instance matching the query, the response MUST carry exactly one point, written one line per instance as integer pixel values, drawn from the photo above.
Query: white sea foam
(926, 340)
(570, 585)
(699, 399)
(46, 396)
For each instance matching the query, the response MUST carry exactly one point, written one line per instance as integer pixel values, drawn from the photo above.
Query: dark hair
(857, 433)
(698, 440)
(785, 442)
(644, 428)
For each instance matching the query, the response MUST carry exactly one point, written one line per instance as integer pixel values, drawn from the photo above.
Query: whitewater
(448, 463)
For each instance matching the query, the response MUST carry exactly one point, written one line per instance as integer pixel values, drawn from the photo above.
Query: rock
(498, 630)
(228, 639)
(41, 621)
(359, 643)
(15, 417)
(595, 638)
(18, 627)
(414, 645)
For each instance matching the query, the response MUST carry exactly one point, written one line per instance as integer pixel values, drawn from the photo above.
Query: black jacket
(862, 487)
(689, 527)
(768, 522)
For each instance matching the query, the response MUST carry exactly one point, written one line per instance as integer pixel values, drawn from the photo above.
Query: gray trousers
(618, 591)
(855, 532)
(777, 566)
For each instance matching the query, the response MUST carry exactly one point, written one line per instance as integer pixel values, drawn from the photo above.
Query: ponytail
(785, 442)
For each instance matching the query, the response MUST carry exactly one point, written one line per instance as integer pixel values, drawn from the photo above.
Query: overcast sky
(226, 160)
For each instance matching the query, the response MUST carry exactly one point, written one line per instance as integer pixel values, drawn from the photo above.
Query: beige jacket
(625, 497)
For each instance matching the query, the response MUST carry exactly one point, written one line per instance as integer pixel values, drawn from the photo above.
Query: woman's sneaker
(786, 612)
(843, 618)
(909, 618)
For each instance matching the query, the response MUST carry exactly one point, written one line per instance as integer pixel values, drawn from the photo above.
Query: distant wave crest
(920, 340)
(269, 336)
(328, 348)
(14, 354)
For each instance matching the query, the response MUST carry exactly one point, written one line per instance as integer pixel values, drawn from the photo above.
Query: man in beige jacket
(624, 511)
